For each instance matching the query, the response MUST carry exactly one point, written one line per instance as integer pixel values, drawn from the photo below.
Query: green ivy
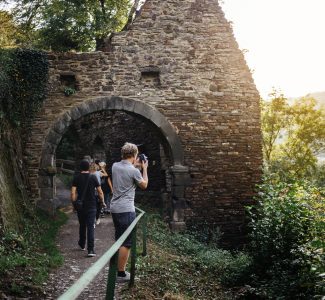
(23, 82)
(69, 91)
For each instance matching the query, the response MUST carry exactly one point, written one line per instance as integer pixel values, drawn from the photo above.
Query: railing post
(144, 235)
(111, 280)
(133, 255)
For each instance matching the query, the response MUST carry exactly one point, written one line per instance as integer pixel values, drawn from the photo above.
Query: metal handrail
(111, 255)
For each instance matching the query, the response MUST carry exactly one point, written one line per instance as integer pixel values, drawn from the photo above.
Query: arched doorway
(170, 142)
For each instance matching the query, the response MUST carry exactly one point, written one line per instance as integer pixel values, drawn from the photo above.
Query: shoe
(97, 221)
(91, 253)
(123, 279)
(81, 247)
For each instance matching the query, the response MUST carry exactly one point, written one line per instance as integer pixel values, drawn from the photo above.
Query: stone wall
(180, 58)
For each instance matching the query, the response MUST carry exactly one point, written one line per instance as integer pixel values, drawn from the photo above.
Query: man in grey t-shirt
(126, 177)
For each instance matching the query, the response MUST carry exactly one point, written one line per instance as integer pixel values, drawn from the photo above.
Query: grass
(27, 257)
(180, 267)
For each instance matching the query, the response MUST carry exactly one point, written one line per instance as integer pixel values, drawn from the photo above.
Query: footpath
(76, 261)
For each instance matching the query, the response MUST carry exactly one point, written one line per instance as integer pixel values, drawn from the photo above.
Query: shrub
(287, 240)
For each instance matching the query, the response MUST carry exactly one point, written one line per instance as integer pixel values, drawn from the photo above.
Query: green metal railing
(111, 255)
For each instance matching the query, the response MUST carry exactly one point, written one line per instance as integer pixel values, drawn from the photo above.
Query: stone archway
(180, 173)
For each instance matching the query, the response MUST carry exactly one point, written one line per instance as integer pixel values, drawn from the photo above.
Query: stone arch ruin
(180, 62)
(180, 173)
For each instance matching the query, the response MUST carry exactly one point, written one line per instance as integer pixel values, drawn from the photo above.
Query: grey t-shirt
(125, 179)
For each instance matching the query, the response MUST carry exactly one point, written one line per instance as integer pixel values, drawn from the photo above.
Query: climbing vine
(23, 82)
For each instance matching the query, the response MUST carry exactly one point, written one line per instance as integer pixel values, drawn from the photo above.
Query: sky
(285, 41)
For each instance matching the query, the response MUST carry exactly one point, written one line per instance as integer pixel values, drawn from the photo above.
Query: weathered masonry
(179, 71)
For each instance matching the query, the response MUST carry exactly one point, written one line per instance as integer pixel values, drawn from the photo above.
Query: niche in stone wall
(150, 77)
(69, 81)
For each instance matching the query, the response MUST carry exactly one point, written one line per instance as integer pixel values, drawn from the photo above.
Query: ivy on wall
(23, 82)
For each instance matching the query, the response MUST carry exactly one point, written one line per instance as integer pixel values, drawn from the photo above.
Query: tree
(8, 30)
(274, 120)
(305, 137)
(302, 127)
(62, 25)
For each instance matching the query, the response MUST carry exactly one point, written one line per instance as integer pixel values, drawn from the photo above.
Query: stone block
(84, 109)
(177, 226)
(128, 105)
(180, 175)
(118, 103)
(75, 113)
(143, 109)
(60, 126)
(53, 137)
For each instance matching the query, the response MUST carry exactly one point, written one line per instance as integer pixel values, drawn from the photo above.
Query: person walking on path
(83, 188)
(126, 177)
(94, 169)
(106, 185)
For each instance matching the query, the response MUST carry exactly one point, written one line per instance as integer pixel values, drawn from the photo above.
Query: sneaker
(123, 279)
(91, 253)
(97, 221)
(81, 247)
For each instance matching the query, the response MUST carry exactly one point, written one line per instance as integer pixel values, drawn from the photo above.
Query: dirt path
(75, 260)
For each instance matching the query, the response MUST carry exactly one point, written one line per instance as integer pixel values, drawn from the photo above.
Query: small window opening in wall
(150, 77)
(69, 81)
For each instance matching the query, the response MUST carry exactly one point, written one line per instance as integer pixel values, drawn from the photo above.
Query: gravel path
(75, 260)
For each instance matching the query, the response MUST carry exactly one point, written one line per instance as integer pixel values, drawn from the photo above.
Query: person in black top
(83, 187)
(106, 185)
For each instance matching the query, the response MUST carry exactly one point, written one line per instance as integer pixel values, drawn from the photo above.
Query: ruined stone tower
(179, 71)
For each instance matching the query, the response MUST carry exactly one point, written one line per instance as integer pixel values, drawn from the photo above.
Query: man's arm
(109, 181)
(144, 183)
(73, 193)
(101, 195)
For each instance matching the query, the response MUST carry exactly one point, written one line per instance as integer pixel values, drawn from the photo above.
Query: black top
(80, 182)
(104, 184)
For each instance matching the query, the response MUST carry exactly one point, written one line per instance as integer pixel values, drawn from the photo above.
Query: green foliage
(26, 257)
(68, 91)
(292, 136)
(9, 32)
(274, 120)
(23, 81)
(62, 25)
(288, 239)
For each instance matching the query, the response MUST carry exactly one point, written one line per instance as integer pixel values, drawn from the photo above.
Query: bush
(287, 241)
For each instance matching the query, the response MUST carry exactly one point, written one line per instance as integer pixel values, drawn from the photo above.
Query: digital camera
(142, 157)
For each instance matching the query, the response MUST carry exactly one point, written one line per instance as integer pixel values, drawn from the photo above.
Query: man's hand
(144, 164)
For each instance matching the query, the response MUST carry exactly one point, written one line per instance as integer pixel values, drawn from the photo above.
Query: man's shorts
(121, 223)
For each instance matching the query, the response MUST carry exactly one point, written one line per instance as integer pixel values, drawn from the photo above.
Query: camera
(142, 157)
